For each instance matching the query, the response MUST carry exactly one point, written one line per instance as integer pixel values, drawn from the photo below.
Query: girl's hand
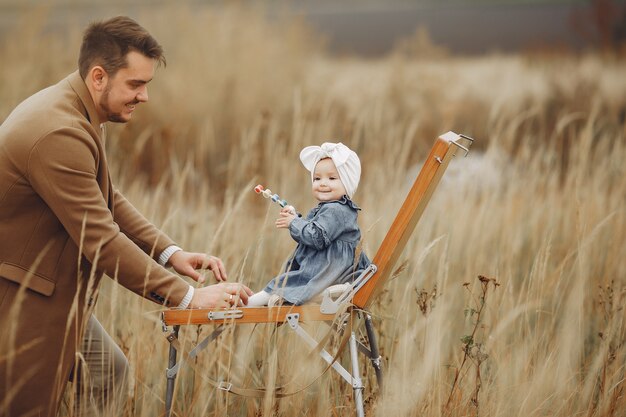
(285, 219)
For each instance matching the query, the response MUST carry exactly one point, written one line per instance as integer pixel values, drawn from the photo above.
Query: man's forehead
(139, 67)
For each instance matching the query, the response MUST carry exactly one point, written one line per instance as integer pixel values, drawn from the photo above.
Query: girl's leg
(259, 299)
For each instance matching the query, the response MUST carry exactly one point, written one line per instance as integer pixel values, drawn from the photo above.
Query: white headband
(345, 159)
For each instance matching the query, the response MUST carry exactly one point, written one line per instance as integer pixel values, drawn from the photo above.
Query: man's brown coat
(62, 225)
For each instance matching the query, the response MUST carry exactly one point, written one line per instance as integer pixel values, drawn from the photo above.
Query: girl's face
(326, 183)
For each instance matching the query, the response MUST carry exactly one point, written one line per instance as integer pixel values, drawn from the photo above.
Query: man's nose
(143, 94)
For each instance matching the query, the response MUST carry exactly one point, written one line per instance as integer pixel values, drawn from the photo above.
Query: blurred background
(372, 27)
(537, 206)
(258, 58)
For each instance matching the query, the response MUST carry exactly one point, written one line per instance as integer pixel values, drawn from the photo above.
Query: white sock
(259, 299)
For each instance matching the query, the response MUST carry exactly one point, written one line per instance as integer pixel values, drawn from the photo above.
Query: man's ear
(98, 78)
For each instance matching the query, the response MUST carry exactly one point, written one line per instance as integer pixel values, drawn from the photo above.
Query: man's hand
(221, 295)
(186, 263)
(285, 219)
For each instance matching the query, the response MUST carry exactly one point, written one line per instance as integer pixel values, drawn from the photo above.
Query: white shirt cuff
(187, 299)
(167, 253)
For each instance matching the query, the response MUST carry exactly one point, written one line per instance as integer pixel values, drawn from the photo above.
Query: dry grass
(537, 206)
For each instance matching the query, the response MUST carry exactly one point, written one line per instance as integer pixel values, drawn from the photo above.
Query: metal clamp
(466, 137)
(330, 306)
(293, 319)
(170, 373)
(377, 361)
(466, 150)
(225, 314)
(225, 386)
(163, 325)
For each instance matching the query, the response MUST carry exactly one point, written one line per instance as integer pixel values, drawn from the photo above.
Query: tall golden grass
(537, 206)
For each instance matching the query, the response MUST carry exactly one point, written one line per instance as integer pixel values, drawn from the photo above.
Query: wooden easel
(354, 301)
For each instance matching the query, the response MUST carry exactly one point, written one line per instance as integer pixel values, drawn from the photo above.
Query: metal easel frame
(293, 319)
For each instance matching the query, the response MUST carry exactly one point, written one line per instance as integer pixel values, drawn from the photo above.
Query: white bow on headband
(346, 160)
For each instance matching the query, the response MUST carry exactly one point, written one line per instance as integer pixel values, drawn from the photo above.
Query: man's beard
(104, 104)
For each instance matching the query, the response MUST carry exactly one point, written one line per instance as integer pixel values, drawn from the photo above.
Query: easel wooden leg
(374, 354)
(171, 379)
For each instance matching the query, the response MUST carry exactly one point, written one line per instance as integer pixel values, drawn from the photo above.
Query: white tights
(259, 299)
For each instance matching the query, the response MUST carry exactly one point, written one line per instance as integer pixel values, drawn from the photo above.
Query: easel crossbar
(309, 312)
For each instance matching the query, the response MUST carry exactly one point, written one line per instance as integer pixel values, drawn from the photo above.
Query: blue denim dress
(325, 255)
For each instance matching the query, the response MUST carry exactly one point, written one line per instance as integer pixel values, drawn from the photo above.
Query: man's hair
(107, 43)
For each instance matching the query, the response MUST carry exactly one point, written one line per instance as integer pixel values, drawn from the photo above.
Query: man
(63, 225)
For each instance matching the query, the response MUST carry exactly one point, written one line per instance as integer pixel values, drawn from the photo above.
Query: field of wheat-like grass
(537, 211)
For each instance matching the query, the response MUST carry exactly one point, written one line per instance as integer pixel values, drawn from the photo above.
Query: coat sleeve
(134, 225)
(62, 169)
(327, 225)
